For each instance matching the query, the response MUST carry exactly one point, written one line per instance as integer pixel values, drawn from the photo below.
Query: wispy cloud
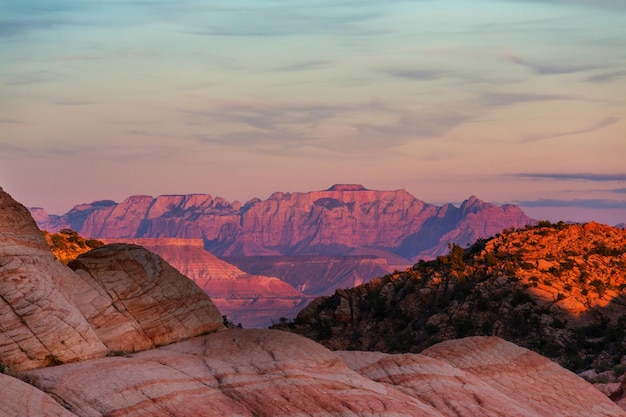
(418, 74)
(410, 126)
(508, 99)
(548, 68)
(306, 66)
(32, 78)
(581, 203)
(597, 4)
(10, 121)
(619, 190)
(607, 76)
(607, 121)
(575, 176)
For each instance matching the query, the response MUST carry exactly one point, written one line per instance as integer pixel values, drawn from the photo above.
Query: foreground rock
(122, 299)
(135, 300)
(272, 373)
(22, 399)
(39, 324)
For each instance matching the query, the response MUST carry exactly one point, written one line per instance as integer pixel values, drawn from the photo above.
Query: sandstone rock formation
(39, 324)
(317, 275)
(21, 399)
(272, 373)
(557, 289)
(251, 300)
(122, 299)
(134, 300)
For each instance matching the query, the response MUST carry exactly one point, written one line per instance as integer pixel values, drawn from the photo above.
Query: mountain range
(366, 233)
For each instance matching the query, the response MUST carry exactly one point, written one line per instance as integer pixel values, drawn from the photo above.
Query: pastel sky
(513, 101)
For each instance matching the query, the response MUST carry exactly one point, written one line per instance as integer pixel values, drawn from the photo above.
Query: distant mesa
(347, 187)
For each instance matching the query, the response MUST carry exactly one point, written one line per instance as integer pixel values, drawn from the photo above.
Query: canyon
(119, 332)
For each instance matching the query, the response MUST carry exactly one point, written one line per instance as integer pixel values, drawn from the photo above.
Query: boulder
(135, 300)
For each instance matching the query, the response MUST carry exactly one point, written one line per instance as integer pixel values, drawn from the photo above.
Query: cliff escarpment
(330, 222)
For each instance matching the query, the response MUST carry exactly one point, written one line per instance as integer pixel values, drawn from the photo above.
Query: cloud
(607, 76)
(548, 68)
(410, 126)
(32, 78)
(305, 66)
(14, 28)
(618, 5)
(581, 203)
(619, 190)
(271, 116)
(576, 176)
(607, 121)
(418, 74)
(508, 99)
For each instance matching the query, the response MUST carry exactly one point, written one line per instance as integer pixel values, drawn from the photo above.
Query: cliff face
(557, 289)
(334, 221)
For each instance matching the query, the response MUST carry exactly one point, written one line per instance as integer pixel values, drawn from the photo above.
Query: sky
(519, 102)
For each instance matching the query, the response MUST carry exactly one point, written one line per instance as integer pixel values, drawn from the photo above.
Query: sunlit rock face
(329, 222)
(272, 373)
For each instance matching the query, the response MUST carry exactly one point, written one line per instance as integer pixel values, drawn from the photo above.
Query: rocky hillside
(330, 222)
(114, 337)
(559, 290)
